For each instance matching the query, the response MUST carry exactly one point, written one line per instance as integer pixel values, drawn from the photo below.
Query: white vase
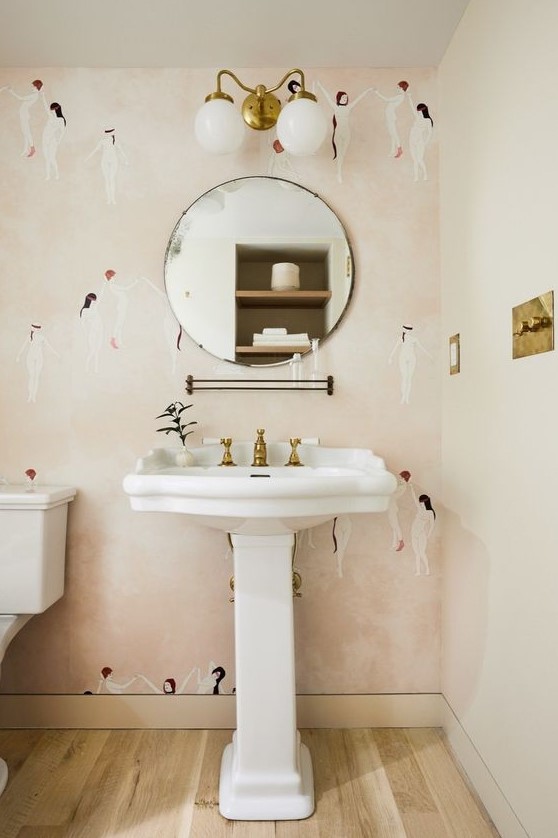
(285, 276)
(184, 457)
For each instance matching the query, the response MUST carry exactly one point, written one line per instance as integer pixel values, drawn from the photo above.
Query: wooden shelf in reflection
(282, 299)
(272, 350)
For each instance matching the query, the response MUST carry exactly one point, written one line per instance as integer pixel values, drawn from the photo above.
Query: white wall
(499, 178)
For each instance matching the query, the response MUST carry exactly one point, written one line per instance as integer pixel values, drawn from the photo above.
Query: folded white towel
(275, 331)
(281, 341)
(265, 338)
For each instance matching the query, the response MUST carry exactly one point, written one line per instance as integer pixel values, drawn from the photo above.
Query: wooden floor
(164, 784)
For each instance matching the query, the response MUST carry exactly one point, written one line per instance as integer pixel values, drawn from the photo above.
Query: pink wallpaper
(96, 168)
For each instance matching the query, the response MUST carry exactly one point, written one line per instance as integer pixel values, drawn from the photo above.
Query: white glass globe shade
(301, 127)
(219, 127)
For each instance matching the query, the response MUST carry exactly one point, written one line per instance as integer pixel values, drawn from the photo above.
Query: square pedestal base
(269, 799)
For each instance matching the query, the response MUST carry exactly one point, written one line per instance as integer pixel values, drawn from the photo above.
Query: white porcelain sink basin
(261, 500)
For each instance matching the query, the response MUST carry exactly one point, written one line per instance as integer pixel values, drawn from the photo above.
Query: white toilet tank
(32, 547)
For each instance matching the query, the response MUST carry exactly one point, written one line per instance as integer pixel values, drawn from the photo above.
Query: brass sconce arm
(219, 92)
(260, 109)
(301, 125)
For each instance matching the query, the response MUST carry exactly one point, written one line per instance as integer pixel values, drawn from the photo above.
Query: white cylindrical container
(285, 276)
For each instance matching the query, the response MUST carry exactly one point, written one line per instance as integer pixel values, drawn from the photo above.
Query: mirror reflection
(256, 268)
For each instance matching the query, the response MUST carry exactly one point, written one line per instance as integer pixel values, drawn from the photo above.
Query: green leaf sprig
(174, 412)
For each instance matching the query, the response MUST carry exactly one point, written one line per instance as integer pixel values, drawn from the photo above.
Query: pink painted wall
(148, 595)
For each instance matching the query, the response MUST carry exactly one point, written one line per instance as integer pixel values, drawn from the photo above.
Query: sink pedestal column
(266, 773)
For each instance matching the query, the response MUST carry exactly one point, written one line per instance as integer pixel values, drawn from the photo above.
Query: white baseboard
(476, 770)
(212, 711)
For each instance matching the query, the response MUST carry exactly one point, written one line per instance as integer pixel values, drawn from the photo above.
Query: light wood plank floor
(397, 783)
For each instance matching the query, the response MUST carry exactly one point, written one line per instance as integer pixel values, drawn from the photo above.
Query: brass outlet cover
(533, 326)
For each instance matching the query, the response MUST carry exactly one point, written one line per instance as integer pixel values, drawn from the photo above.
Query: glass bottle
(296, 369)
(315, 372)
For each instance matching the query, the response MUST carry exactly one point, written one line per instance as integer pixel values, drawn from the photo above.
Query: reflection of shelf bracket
(324, 385)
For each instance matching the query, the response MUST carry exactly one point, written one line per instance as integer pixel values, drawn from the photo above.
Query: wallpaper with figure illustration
(96, 168)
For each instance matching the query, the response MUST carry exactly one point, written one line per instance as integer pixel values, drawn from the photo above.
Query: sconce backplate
(261, 112)
(533, 326)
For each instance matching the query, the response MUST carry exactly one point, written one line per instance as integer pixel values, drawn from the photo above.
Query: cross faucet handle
(294, 459)
(227, 456)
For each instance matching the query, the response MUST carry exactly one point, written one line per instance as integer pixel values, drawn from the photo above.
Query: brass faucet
(260, 449)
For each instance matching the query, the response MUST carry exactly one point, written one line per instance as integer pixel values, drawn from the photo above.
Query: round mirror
(256, 268)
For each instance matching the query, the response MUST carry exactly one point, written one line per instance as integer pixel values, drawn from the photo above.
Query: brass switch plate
(533, 326)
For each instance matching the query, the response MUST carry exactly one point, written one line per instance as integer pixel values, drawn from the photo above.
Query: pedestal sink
(266, 773)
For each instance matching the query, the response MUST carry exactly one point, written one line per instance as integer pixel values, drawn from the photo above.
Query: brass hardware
(297, 585)
(455, 355)
(260, 109)
(294, 459)
(533, 326)
(260, 449)
(297, 578)
(227, 456)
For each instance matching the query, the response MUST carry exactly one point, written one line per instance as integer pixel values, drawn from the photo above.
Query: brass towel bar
(325, 385)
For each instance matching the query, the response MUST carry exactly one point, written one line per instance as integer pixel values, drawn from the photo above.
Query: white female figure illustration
(390, 113)
(305, 537)
(120, 294)
(421, 531)
(397, 542)
(111, 151)
(53, 132)
(27, 102)
(419, 137)
(210, 684)
(169, 684)
(89, 314)
(34, 346)
(280, 164)
(341, 136)
(407, 346)
(205, 686)
(171, 328)
(341, 534)
(109, 685)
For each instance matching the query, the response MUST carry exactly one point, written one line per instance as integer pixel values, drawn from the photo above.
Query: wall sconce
(301, 124)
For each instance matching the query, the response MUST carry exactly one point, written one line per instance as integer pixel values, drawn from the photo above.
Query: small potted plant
(174, 412)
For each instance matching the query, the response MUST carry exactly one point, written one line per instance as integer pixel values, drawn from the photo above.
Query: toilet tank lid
(13, 496)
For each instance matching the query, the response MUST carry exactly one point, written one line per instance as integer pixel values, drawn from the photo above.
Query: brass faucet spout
(260, 449)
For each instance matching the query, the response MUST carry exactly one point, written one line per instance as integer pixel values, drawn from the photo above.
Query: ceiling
(237, 33)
